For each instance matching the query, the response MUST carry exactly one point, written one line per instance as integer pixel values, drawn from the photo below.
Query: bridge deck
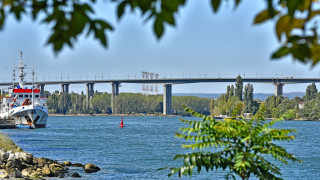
(178, 81)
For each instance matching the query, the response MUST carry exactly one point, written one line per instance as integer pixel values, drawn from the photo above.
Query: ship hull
(33, 116)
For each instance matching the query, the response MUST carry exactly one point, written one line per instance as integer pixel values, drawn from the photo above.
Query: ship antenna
(21, 68)
(32, 87)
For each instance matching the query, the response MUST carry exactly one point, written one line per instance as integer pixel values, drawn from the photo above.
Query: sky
(202, 44)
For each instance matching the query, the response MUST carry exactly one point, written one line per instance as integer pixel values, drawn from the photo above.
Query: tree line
(225, 104)
(128, 103)
(307, 107)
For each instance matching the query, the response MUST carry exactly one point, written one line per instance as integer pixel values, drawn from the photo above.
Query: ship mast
(21, 72)
(32, 87)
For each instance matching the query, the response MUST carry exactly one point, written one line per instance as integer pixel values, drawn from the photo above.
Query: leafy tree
(70, 18)
(250, 105)
(64, 103)
(311, 109)
(200, 104)
(241, 146)
(212, 107)
(228, 92)
(248, 98)
(239, 87)
(225, 106)
(289, 115)
(311, 92)
(232, 91)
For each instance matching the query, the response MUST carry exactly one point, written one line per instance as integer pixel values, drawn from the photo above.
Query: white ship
(23, 104)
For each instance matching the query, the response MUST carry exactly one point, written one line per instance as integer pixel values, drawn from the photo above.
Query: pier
(7, 124)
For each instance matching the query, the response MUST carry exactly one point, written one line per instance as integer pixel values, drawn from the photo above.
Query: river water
(144, 145)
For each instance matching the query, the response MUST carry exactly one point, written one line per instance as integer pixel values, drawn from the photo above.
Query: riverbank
(15, 163)
(143, 115)
(111, 115)
(8, 145)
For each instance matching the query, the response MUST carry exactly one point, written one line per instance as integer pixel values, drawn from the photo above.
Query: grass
(7, 144)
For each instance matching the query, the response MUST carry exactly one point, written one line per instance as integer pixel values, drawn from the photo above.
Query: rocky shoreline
(25, 165)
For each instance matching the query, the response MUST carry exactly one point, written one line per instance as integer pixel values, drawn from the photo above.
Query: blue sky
(202, 44)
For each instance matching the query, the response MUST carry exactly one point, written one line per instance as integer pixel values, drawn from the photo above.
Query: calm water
(144, 145)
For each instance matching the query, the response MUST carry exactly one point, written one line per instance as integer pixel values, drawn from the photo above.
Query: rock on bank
(24, 165)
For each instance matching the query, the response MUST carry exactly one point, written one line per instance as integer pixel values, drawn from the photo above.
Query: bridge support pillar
(42, 90)
(89, 95)
(115, 97)
(278, 89)
(65, 88)
(167, 99)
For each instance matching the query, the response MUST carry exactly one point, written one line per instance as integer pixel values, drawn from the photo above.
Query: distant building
(301, 105)
(247, 115)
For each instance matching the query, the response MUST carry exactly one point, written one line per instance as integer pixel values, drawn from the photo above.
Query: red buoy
(121, 124)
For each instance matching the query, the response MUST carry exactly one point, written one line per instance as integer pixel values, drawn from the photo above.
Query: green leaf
(263, 16)
(237, 2)
(78, 22)
(301, 52)
(215, 5)
(304, 5)
(172, 6)
(2, 18)
(121, 8)
(181, 171)
(286, 24)
(186, 161)
(158, 27)
(99, 34)
(168, 17)
(315, 51)
(294, 39)
(283, 51)
(282, 25)
(293, 6)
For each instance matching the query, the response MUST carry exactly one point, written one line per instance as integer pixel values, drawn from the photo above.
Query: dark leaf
(283, 51)
(294, 39)
(271, 8)
(78, 22)
(103, 24)
(293, 6)
(101, 37)
(121, 8)
(158, 27)
(315, 54)
(301, 52)
(237, 3)
(168, 17)
(215, 5)
(2, 18)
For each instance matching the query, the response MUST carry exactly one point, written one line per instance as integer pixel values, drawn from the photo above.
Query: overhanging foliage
(245, 143)
(295, 20)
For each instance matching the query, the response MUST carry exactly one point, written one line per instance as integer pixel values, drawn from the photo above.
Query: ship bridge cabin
(19, 96)
(25, 93)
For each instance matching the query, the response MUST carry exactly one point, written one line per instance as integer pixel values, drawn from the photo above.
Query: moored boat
(24, 104)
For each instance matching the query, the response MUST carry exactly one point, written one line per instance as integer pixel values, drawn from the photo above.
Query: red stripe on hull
(26, 91)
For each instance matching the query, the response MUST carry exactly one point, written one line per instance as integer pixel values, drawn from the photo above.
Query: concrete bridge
(167, 84)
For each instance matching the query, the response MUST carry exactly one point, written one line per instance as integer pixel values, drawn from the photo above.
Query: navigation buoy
(121, 124)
